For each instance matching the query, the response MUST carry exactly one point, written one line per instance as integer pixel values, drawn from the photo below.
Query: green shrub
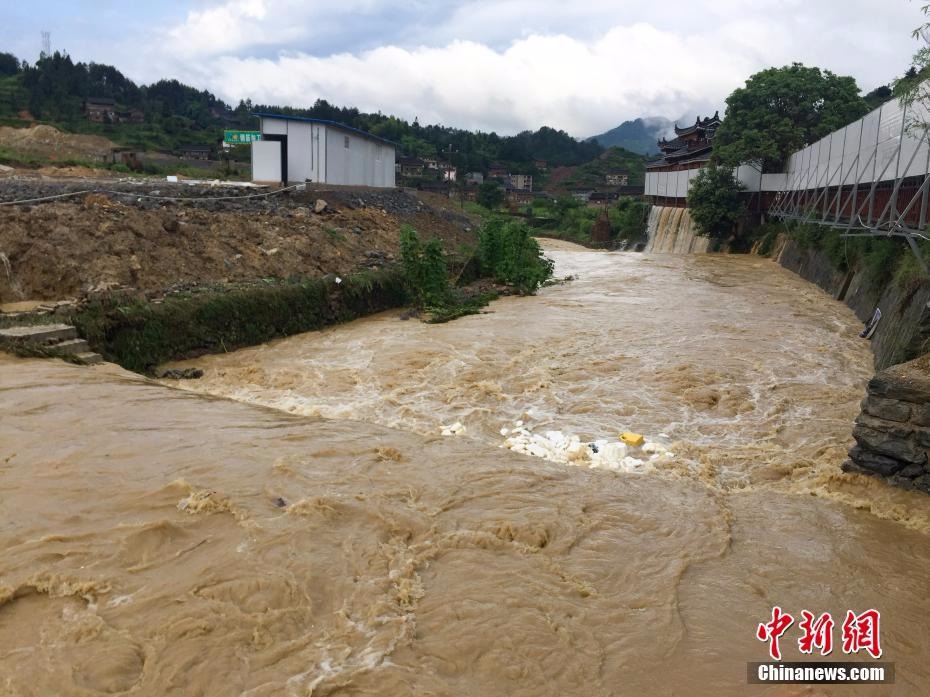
(508, 253)
(425, 272)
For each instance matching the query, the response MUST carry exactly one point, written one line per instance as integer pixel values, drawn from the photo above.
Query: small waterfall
(671, 230)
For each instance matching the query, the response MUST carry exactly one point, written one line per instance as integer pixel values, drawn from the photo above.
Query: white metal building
(298, 149)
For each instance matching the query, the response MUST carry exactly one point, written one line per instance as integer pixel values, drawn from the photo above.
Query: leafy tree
(9, 64)
(878, 96)
(715, 201)
(780, 110)
(490, 195)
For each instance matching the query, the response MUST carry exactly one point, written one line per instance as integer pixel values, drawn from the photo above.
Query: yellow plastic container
(634, 439)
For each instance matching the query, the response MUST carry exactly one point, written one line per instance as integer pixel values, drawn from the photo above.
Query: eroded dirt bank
(175, 543)
(98, 242)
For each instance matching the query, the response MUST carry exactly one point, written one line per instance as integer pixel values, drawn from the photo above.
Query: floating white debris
(456, 429)
(556, 446)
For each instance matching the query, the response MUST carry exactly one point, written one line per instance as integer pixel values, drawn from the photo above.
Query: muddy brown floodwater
(156, 541)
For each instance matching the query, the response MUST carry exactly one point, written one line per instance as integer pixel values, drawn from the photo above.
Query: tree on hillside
(490, 195)
(715, 201)
(780, 110)
(9, 64)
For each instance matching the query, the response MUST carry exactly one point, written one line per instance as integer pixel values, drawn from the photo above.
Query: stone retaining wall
(892, 431)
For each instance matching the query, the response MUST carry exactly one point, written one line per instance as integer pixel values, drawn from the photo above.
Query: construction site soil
(135, 236)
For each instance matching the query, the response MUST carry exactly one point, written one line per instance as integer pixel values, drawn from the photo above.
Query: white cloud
(583, 87)
(508, 65)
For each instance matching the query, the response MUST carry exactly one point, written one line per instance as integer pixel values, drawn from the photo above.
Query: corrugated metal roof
(325, 122)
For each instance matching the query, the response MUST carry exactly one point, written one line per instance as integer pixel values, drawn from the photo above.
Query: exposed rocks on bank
(893, 430)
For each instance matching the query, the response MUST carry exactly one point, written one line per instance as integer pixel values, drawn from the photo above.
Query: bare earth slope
(63, 249)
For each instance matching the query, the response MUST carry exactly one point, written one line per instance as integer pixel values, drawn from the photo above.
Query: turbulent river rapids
(294, 523)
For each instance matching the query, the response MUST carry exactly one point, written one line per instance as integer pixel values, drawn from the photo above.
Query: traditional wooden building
(100, 109)
(689, 149)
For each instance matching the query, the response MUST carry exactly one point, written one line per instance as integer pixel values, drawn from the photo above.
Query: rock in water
(179, 374)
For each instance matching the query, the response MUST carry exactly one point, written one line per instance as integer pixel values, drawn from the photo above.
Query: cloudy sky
(504, 65)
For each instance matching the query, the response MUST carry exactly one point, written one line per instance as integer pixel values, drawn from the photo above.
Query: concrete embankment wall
(671, 230)
(892, 431)
(904, 330)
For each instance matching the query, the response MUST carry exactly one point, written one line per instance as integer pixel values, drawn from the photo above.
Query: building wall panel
(299, 166)
(266, 161)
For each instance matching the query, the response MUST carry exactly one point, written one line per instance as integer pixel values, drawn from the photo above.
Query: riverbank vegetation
(507, 254)
(140, 334)
(883, 260)
(570, 219)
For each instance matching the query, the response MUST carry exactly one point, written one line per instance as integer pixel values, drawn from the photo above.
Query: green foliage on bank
(507, 254)
(882, 259)
(569, 219)
(140, 335)
(715, 202)
(426, 274)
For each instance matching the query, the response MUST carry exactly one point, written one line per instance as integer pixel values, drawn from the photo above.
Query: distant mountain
(637, 136)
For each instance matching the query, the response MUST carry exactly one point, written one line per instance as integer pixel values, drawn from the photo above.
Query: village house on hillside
(196, 151)
(618, 178)
(497, 170)
(103, 110)
(521, 182)
(407, 166)
(99, 109)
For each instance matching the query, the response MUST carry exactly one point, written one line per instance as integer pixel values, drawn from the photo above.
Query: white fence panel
(837, 148)
(852, 156)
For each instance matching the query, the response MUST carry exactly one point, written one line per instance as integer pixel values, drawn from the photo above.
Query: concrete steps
(51, 340)
(38, 335)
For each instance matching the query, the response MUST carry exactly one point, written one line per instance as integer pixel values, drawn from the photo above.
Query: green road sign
(239, 137)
